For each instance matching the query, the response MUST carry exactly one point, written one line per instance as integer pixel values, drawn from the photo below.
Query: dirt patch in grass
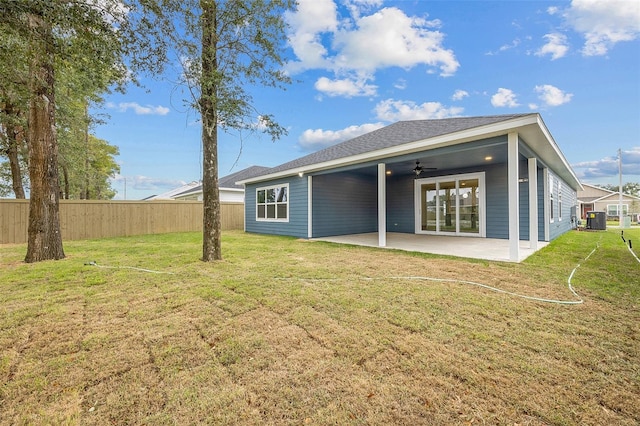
(291, 332)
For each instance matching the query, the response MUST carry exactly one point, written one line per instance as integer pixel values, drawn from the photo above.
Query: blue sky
(363, 64)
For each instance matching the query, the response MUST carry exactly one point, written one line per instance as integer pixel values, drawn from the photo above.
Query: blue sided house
(494, 177)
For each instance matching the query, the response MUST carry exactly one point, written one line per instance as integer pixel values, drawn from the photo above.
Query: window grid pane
(282, 211)
(272, 203)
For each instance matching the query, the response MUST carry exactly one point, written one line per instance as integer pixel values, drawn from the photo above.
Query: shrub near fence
(82, 219)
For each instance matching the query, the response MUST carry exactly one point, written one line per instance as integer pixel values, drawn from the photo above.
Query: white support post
(382, 205)
(514, 198)
(533, 203)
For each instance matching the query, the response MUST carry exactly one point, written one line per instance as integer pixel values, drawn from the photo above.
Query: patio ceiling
(443, 161)
(494, 154)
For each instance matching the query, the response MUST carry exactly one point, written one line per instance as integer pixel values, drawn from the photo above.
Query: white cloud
(347, 88)
(392, 110)
(314, 139)
(312, 19)
(608, 166)
(458, 95)
(604, 23)
(552, 96)
(112, 12)
(139, 109)
(504, 98)
(556, 46)
(552, 10)
(357, 7)
(401, 84)
(399, 40)
(515, 43)
(364, 42)
(387, 111)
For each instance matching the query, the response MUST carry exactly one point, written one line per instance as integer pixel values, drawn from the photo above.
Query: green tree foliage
(85, 169)
(14, 76)
(85, 162)
(629, 188)
(226, 48)
(94, 37)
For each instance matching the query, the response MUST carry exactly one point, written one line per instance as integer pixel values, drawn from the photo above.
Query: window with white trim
(559, 200)
(614, 210)
(272, 203)
(551, 199)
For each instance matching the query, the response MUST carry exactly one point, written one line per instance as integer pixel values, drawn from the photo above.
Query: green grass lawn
(286, 331)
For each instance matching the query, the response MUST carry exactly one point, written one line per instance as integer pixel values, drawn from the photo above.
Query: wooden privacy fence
(82, 219)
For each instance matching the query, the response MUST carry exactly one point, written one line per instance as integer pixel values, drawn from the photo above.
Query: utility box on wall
(597, 221)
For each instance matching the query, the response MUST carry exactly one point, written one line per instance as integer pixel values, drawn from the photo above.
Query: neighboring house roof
(614, 196)
(603, 194)
(588, 186)
(228, 182)
(588, 199)
(169, 195)
(405, 137)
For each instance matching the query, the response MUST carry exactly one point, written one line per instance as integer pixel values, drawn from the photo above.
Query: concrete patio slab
(469, 247)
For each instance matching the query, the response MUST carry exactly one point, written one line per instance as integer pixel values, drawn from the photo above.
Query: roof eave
(554, 157)
(462, 136)
(530, 121)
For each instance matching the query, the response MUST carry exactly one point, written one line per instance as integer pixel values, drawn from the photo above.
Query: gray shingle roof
(395, 134)
(229, 181)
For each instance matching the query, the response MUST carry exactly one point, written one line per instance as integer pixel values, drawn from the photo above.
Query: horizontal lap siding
(541, 203)
(344, 203)
(560, 226)
(298, 202)
(401, 204)
(497, 199)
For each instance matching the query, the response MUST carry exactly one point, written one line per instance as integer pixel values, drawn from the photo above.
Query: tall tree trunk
(212, 235)
(44, 241)
(86, 154)
(65, 179)
(13, 140)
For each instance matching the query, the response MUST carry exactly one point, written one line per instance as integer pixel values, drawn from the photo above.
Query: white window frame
(625, 209)
(551, 200)
(559, 201)
(482, 203)
(276, 203)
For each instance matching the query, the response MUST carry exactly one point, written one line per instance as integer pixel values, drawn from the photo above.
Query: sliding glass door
(451, 205)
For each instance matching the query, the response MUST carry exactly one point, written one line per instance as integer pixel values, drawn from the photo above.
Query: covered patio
(470, 247)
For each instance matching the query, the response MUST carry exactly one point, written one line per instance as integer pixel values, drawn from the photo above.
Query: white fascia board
(449, 139)
(558, 153)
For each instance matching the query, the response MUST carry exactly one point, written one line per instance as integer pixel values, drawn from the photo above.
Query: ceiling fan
(419, 169)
